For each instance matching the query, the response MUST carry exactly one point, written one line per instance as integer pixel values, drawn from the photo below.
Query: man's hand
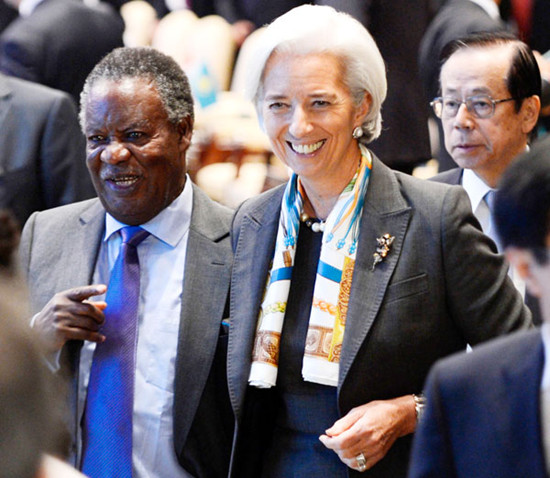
(69, 315)
(370, 429)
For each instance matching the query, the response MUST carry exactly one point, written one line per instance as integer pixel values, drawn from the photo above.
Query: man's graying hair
(150, 64)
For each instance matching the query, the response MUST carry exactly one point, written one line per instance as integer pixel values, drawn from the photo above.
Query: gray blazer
(440, 288)
(454, 176)
(42, 150)
(59, 249)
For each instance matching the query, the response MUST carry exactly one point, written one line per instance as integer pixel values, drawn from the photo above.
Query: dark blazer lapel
(93, 228)
(253, 255)
(75, 257)
(205, 289)
(385, 211)
(521, 419)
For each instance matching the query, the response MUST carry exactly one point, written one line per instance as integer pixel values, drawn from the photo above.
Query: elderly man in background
(42, 159)
(159, 328)
(32, 430)
(489, 107)
(488, 412)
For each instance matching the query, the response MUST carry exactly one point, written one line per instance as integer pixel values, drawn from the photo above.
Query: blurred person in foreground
(350, 281)
(31, 398)
(129, 289)
(29, 403)
(488, 412)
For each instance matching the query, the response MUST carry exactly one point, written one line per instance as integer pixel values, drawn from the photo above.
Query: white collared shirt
(490, 7)
(477, 189)
(162, 261)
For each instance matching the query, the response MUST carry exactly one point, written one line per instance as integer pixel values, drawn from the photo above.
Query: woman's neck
(318, 202)
(323, 193)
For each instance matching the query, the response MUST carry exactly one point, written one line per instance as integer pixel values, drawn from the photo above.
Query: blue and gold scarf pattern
(331, 293)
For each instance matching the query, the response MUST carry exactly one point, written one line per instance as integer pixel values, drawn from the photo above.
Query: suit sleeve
(482, 299)
(20, 56)
(64, 176)
(431, 453)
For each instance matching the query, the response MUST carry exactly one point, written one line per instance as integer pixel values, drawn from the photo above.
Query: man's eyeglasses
(482, 106)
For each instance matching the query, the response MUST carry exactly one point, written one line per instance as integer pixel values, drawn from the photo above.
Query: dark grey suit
(440, 288)
(42, 150)
(454, 177)
(59, 249)
(259, 12)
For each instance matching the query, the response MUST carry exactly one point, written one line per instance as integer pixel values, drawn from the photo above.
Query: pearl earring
(357, 132)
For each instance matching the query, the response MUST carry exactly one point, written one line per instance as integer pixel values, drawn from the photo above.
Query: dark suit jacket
(483, 413)
(540, 34)
(398, 26)
(440, 288)
(454, 176)
(60, 43)
(59, 250)
(42, 150)
(259, 12)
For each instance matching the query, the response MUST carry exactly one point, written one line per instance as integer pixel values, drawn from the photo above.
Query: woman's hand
(370, 430)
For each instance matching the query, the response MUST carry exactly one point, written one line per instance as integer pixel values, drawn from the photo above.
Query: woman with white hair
(351, 280)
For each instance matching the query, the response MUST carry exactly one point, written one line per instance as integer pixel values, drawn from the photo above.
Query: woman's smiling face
(309, 114)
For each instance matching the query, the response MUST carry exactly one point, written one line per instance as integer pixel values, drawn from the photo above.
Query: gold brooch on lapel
(383, 249)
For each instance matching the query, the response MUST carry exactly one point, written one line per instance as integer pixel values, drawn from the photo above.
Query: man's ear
(185, 130)
(523, 261)
(530, 110)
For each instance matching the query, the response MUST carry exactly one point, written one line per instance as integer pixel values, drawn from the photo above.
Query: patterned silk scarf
(327, 320)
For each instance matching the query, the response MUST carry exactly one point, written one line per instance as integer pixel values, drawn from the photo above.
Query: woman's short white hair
(310, 29)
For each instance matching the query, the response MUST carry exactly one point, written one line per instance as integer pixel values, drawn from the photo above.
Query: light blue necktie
(489, 198)
(107, 421)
